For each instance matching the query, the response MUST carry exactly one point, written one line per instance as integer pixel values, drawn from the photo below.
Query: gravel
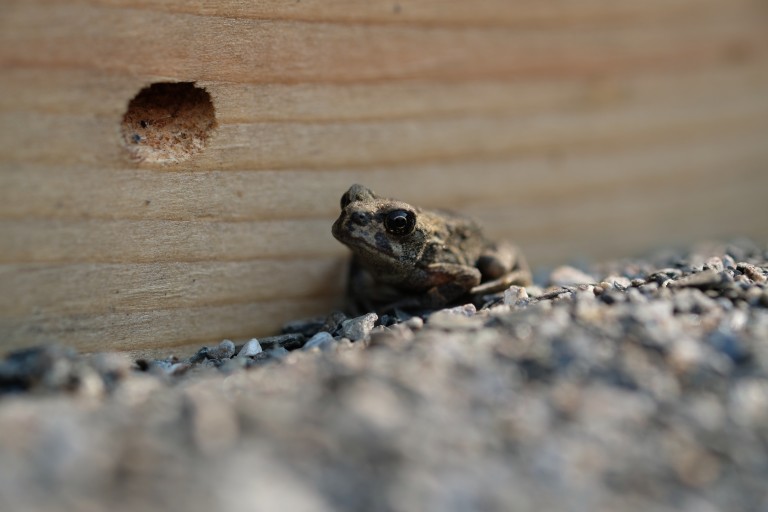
(637, 385)
(250, 349)
(358, 328)
(322, 340)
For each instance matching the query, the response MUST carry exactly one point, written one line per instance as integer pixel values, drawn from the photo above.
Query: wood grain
(579, 129)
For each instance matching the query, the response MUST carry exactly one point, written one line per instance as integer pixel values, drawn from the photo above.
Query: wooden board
(579, 129)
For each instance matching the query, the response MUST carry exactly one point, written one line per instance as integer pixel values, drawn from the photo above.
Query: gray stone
(460, 317)
(174, 369)
(306, 326)
(748, 403)
(714, 263)
(414, 323)
(250, 349)
(557, 292)
(224, 350)
(278, 352)
(706, 279)
(752, 272)
(570, 276)
(463, 310)
(322, 340)
(516, 296)
(290, 341)
(234, 364)
(358, 328)
(619, 282)
(692, 300)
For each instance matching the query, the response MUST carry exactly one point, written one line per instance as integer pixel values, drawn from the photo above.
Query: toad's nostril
(361, 218)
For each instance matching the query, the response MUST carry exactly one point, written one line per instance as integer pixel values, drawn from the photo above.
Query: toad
(407, 257)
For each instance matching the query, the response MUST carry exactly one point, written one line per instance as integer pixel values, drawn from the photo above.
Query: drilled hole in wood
(168, 122)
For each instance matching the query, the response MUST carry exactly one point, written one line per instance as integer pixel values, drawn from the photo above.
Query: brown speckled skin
(444, 258)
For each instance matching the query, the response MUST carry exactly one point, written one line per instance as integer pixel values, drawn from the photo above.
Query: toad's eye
(400, 222)
(345, 200)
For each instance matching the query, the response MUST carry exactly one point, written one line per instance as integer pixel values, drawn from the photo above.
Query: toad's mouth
(379, 246)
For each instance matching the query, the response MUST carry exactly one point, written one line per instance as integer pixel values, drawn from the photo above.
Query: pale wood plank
(259, 145)
(160, 330)
(103, 240)
(288, 145)
(237, 49)
(73, 193)
(720, 207)
(106, 94)
(240, 102)
(122, 241)
(135, 287)
(526, 13)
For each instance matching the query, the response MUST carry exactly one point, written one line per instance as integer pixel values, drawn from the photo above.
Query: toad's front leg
(501, 266)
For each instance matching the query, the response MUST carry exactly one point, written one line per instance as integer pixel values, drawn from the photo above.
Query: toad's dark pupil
(345, 201)
(400, 222)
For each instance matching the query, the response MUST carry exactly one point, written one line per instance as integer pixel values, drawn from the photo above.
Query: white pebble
(322, 340)
(250, 349)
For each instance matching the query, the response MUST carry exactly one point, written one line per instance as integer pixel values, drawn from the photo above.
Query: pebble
(619, 282)
(685, 355)
(395, 337)
(178, 369)
(333, 322)
(212, 423)
(225, 350)
(569, 276)
(692, 300)
(250, 349)
(27, 368)
(289, 341)
(748, 403)
(388, 320)
(277, 352)
(555, 293)
(714, 263)
(322, 340)
(635, 296)
(414, 323)
(452, 321)
(358, 328)
(306, 326)
(752, 272)
(706, 279)
(234, 364)
(199, 356)
(516, 296)
(464, 310)
(729, 344)
(669, 272)
(649, 287)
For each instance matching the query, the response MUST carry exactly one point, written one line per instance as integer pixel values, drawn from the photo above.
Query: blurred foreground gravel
(641, 386)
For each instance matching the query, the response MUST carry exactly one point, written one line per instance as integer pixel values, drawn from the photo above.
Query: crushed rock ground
(636, 386)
